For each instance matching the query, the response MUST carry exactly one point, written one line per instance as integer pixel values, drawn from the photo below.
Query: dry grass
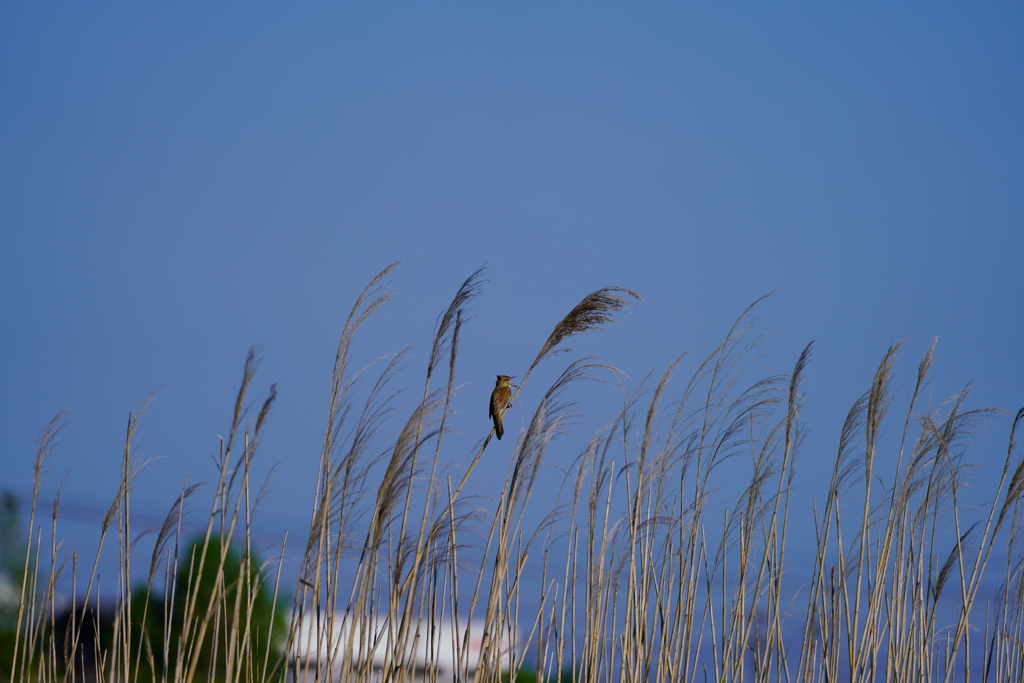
(656, 563)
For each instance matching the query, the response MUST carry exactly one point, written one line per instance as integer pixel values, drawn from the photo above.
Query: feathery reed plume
(446, 322)
(25, 628)
(171, 522)
(1015, 490)
(596, 309)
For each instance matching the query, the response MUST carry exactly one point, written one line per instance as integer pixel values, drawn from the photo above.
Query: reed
(664, 558)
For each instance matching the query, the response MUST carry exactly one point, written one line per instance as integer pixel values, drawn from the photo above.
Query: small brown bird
(499, 401)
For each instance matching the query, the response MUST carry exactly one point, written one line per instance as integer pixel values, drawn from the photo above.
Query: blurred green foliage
(241, 623)
(12, 566)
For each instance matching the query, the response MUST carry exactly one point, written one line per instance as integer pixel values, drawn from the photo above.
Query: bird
(499, 401)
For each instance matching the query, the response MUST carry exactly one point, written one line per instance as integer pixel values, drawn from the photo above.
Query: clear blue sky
(179, 183)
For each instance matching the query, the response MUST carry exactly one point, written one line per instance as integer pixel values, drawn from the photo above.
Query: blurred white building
(322, 651)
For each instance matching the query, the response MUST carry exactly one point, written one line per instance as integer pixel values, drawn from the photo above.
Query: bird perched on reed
(500, 398)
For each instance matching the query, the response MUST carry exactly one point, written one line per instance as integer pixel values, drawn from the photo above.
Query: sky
(181, 183)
